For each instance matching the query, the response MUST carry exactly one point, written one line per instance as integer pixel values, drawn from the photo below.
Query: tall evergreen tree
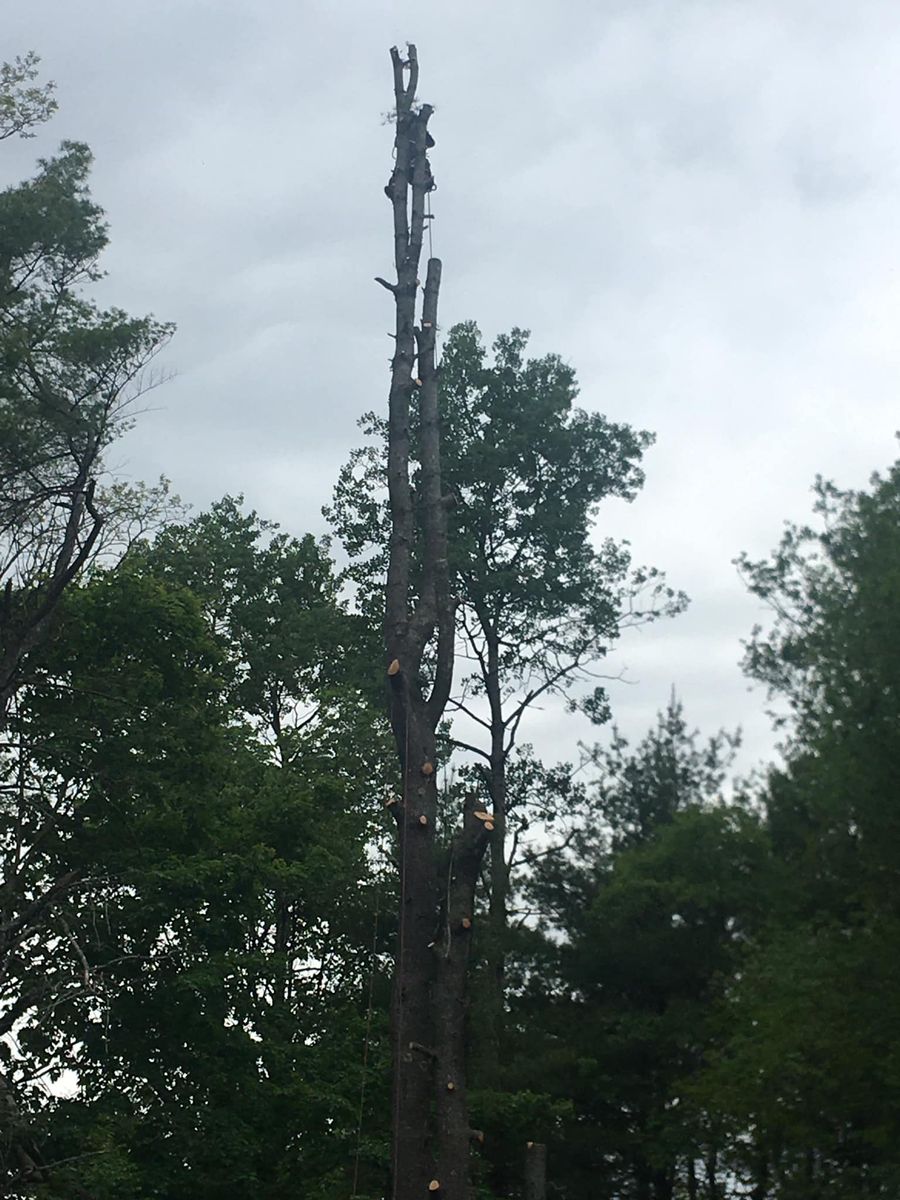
(642, 922)
(808, 1076)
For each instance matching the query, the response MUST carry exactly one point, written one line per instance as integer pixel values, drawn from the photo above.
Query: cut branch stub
(423, 820)
(394, 668)
(434, 1186)
(489, 826)
(427, 769)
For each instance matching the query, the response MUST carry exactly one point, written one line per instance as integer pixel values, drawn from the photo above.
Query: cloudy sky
(695, 202)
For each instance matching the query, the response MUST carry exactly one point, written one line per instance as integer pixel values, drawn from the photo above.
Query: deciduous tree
(69, 375)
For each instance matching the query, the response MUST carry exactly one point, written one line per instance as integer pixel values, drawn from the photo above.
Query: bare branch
(11, 932)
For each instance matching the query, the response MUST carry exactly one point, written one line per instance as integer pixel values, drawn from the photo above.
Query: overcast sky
(695, 202)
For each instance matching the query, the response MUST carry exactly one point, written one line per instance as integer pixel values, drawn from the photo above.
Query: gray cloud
(695, 203)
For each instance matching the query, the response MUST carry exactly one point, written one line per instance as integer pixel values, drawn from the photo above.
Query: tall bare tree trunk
(461, 877)
(535, 1171)
(712, 1178)
(430, 1117)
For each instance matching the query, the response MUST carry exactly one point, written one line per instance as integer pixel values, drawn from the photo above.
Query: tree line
(684, 985)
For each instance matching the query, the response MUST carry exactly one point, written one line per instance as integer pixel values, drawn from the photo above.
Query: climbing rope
(429, 216)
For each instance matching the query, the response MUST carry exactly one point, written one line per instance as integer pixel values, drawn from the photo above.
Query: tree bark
(499, 891)
(712, 1178)
(663, 1184)
(412, 1013)
(760, 1179)
(430, 1127)
(26, 621)
(461, 877)
(535, 1171)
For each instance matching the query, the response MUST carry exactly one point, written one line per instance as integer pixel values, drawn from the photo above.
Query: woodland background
(700, 983)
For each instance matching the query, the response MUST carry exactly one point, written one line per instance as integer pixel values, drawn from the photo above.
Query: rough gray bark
(535, 1171)
(461, 877)
(499, 888)
(428, 1006)
(406, 635)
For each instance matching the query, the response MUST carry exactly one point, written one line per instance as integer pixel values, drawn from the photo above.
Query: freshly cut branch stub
(466, 922)
(427, 768)
(482, 816)
(423, 820)
(489, 826)
(394, 668)
(434, 1186)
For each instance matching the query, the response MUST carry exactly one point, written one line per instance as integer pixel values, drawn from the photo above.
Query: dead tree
(430, 1125)
(535, 1171)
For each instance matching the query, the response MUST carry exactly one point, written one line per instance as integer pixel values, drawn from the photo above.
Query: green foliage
(642, 790)
(21, 105)
(834, 655)
(272, 601)
(214, 959)
(700, 996)
(832, 651)
(69, 372)
(809, 1061)
(525, 472)
(111, 742)
(655, 901)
